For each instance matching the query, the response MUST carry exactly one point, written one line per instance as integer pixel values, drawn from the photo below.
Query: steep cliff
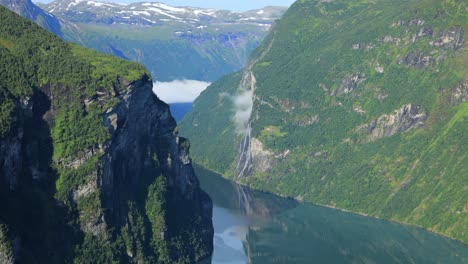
(354, 104)
(91, 167)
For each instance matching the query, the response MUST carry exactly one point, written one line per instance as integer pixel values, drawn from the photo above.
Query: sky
(235, 5)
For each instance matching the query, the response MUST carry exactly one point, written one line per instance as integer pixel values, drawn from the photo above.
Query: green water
(254, 227)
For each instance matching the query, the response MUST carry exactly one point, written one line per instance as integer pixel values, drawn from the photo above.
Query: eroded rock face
(6, 250)
(10, 158)
(145, 126)
(26, 147)
(409, 23)
(459, 93)
(360, 46)
(426, 31)
(390, 39)
(416, 59)
(452, 38)
(263, 158)
(406, 118)
(349, 83)
(145, 144)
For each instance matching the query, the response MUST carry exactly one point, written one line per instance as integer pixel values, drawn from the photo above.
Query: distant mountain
(360, 105)
(172, 42)
(157, 14)
(179, 110)
(27, 9)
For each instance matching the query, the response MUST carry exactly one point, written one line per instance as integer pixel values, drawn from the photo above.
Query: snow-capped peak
(151, 13)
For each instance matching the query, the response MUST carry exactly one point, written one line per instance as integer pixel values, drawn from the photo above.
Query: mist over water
(179, 91)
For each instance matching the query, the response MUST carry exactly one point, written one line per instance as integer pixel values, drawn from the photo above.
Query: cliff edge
(91, 167)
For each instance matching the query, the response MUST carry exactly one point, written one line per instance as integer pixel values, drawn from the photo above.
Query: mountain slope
(91, 167)
(154, 13)
(27, 9)
(356, 104)
(173, 42)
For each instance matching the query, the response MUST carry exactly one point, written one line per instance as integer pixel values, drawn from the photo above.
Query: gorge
(340, 127)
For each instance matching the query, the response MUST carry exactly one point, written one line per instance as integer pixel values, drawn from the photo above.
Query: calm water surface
(254, 227)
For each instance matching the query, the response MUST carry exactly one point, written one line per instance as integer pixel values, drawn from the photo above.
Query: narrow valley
(233, 132)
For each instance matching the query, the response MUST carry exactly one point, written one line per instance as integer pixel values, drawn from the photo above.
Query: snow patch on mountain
(155, 13)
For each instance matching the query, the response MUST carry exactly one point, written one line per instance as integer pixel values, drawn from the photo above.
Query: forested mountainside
(172, 42)
(91, 167)
(360, 105)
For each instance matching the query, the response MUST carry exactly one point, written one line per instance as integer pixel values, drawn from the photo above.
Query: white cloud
(243, 105)
(242, 109)
(179, 91)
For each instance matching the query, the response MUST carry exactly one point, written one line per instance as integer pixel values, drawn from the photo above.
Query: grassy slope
(417, 177)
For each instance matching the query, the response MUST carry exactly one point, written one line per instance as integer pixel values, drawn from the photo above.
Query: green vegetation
(106, 68)
(173, 47)
(53, 100)
(204, 56)
(387, 54)
(213, 110)
(155, 204)
(6, 109)
(75, 130)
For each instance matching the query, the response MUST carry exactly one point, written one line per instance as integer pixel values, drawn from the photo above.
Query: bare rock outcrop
(459, 93)
(452, 38)
(406, 118)
(416, 59)
(349, 83)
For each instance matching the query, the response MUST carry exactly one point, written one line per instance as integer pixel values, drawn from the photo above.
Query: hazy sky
(237, 5)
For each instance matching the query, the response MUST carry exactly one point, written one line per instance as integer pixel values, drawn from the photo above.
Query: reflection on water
(231, 229)
(254, 227)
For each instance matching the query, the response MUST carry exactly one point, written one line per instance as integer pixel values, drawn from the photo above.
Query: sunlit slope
(360, 105)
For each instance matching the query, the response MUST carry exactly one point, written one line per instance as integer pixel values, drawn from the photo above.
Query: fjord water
(255, 227)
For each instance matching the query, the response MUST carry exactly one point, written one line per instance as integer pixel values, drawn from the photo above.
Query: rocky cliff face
(143, 148)
(145, 143)
(404, 119)
(91, 167)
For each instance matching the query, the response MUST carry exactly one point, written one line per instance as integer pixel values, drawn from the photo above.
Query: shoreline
(334, 207)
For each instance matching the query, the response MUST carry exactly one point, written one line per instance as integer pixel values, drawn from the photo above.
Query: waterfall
(244, 165)
(243, 106)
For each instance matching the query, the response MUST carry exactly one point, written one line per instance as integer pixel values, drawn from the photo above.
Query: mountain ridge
(150, 13)
(32, 12)
(193, 43)
(92, 169)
